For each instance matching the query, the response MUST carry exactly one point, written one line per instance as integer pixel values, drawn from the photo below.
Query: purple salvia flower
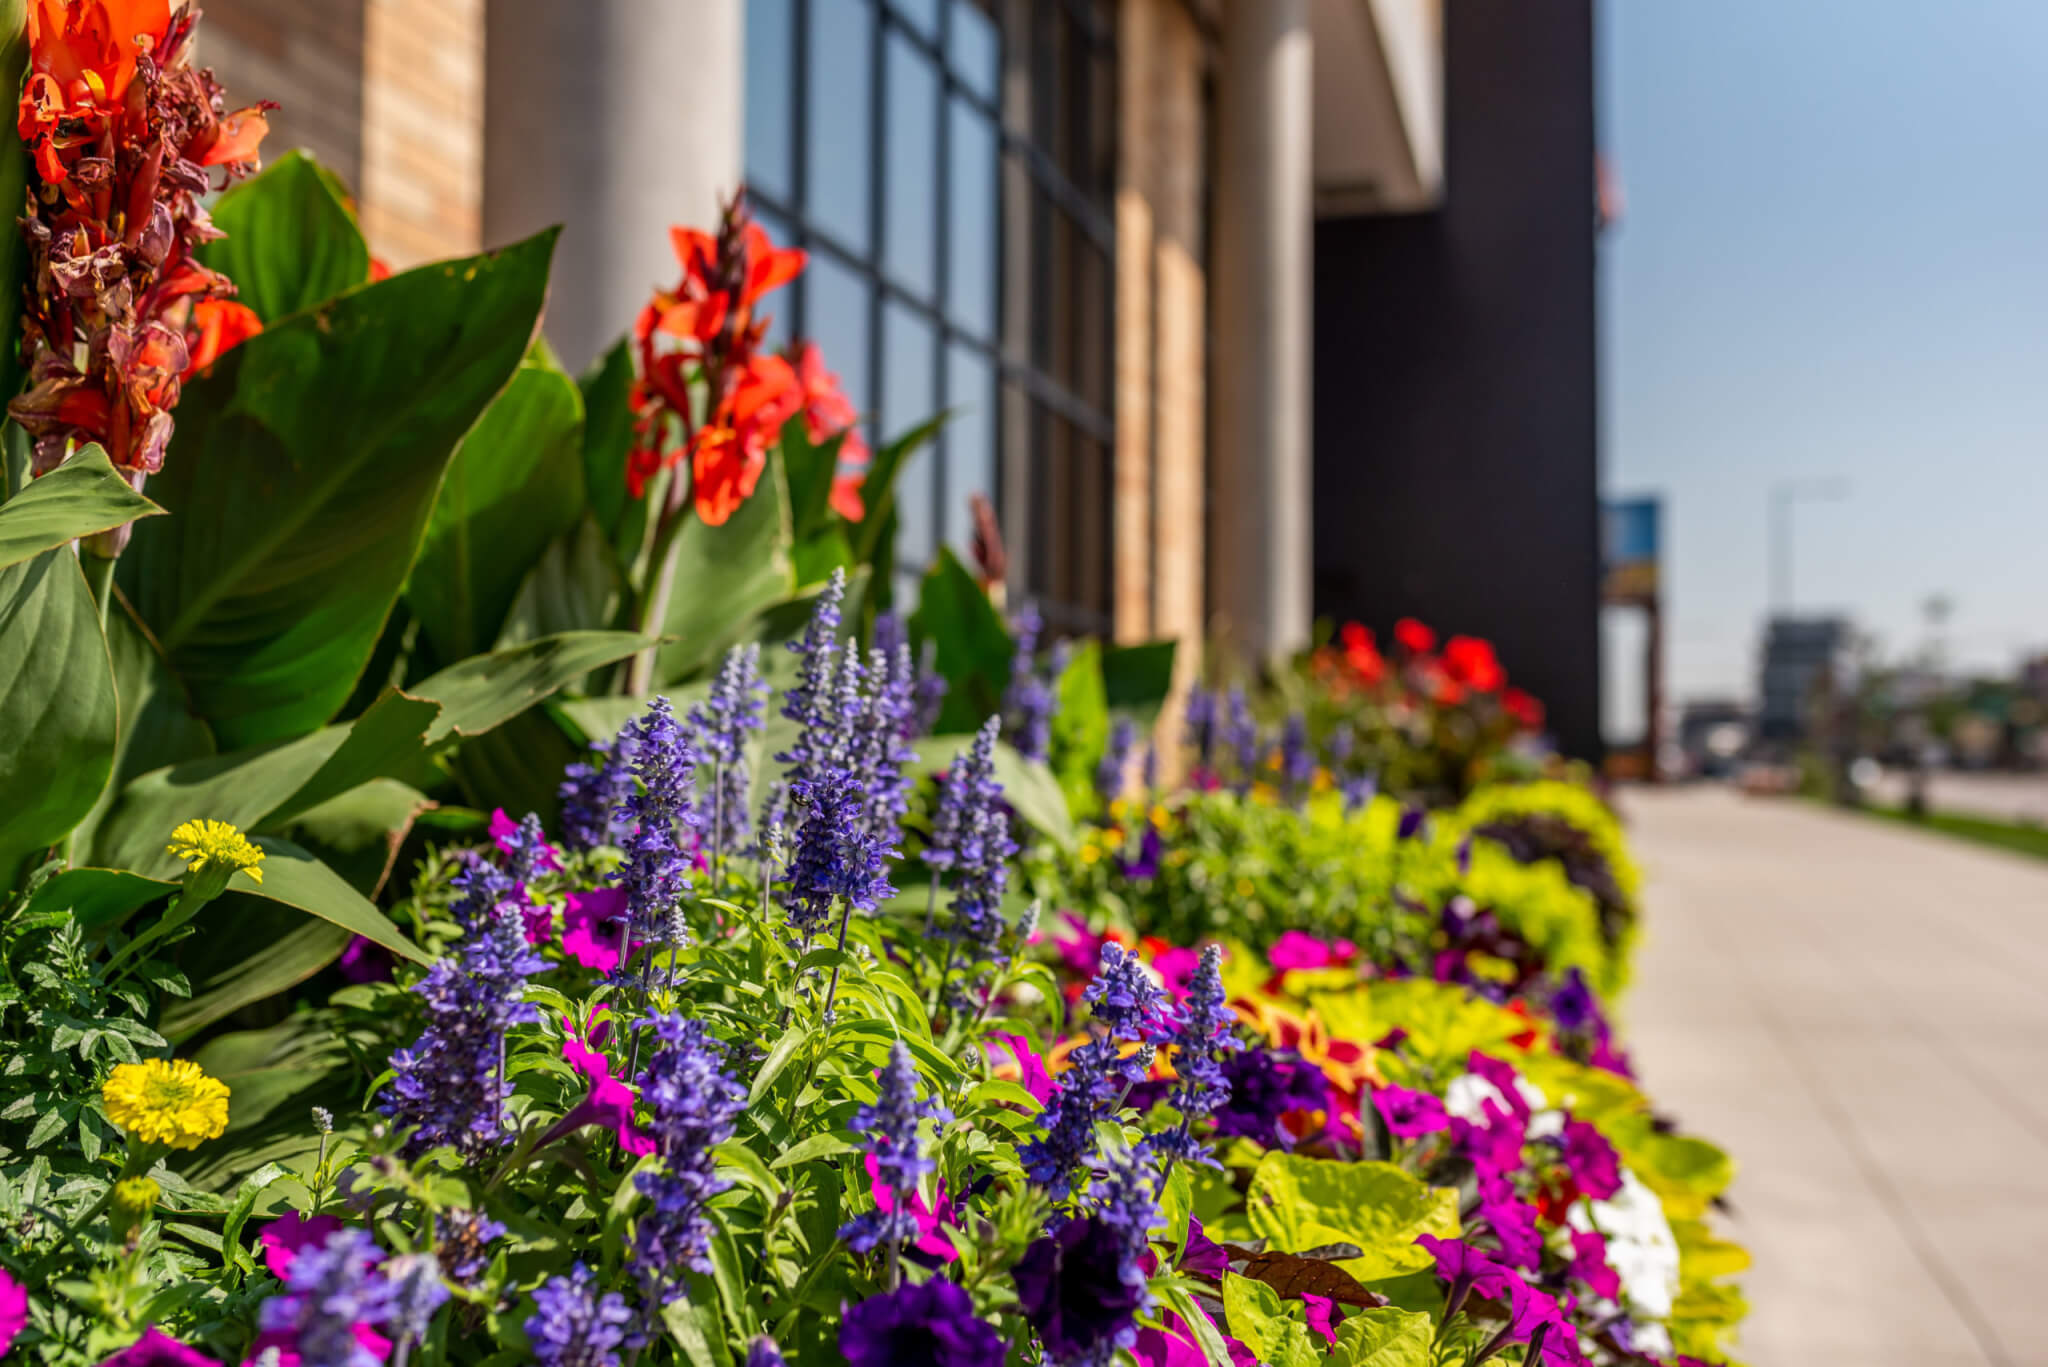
(1343, 743)
(890, 1125)
(881, 753)
(1200, 721)
(1297, 760)
(693, 1102)
(970, 784)
(591, 792)
(1029, 703)
(332, 1288)
(1202, 1037)
(664, 763)
(1116, 759)
(572, 1326)
(1126, 1000)
(817, 653)
(1240, 733)
(928, 693)
(980, 879)
(722, 722)
(463, 1239)
(449, 1083)
(836, 856)
(764, 1353)
(1359, 791)
(416, 1293)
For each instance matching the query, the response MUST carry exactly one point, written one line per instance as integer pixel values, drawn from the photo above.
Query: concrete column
(614, 118)
(1264, 266)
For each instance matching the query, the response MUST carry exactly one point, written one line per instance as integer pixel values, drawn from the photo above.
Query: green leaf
(1298, 1203)
(820, 554)
(291, 242)
(878, 490)
(725, 576)
(296, 879)
(14, 264)
(1080, 727)
(82, 496)
(1136, 679)
(514, 486)
(98, 897)
(517, 766)
(974, 647)
(607, 435)
(1027, 784)
(302, 474)
(247, 949)
(58, 716)
(1384, 1338)
(240, 788)
(574, 585)
(810, 471)
(1256, 1318)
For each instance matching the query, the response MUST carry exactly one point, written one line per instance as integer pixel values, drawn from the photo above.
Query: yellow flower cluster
(166, 1101)
(217, 844)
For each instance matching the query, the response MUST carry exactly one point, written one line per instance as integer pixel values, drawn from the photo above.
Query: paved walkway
(1860, 1013)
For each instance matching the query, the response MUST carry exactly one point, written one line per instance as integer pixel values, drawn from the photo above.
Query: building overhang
(1379, 106)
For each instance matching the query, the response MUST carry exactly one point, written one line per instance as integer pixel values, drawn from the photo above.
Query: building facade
(1098, 233)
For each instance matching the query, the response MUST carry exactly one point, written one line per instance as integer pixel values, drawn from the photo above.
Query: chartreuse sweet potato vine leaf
(82, 496)
(302, 474)
(1301, 1203)
(265, 787)
(57, 710)
(291, 241)
(1259, 1320)
(1384, 1338)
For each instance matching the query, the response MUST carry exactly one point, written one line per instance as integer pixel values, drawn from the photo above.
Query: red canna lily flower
(1524, 708)
(728, 455)
(216, 327)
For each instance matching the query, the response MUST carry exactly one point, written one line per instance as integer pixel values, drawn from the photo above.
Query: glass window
(839, 141)
(771, 148)
(950, 165)
(910, 216)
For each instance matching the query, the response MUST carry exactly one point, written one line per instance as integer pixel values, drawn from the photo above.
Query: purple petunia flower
(1410, 1114)
(693, 1101)
(1572, 1004)
(1591, 1160)
(572, 1326)
(919, 1324)
(1265, 1085)
(1511, 1220)
(1590, 1265)
(1083, 1286)
(1411, 824)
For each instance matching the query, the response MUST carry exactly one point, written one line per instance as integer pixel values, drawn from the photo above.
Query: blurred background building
(1247, 310)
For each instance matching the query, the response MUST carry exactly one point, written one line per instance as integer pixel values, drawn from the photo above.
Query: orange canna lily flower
(240, 135)
(89, 48)
(217, 326)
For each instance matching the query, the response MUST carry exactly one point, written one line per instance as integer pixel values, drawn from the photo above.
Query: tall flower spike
(880, 752)
(928, 694)
(573, 1326)
(331, 1291)
(890, 1125)
(722, 723)
(450, 1082)
(1202, 1038)
(1241, 734)
(664, 763)
(693, 1101)
(1297, 760)
(1200, 723)
(1125, 998)
(593, 790)
(1028, 701)
(1116, 759)
(817, 652)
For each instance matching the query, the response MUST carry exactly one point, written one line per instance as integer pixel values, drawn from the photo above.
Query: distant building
(1713, 733)
(1798, 652)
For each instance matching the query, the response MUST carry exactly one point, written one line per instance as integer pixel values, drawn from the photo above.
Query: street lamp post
(1784, 494)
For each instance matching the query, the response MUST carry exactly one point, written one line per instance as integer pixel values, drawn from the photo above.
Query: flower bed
(835, 990)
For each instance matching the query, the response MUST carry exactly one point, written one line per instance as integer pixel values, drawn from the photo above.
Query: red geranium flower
(1523, 708)
(1361, 654)
(1471, 661)
(1414, 636)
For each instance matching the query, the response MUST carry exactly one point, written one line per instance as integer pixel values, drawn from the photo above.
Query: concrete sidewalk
(1859, 1012)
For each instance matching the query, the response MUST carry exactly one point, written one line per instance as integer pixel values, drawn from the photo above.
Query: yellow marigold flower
(168, 1102)
(137, 1194)
(217, 844)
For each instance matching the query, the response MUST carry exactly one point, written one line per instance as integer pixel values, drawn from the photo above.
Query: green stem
(661, 574)
(99, 577)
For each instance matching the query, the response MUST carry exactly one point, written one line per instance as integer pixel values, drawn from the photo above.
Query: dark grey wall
(1456, 467)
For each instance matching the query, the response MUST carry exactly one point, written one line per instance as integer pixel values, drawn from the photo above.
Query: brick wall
(1162, 319)
(388, 93)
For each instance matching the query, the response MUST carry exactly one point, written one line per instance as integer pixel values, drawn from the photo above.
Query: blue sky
(1834, 262)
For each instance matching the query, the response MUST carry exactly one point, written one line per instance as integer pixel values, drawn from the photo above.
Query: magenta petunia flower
(609, 1103)
(1034, 1078)
(1589, 1264)
(1591, 1160)
(283, 1237)
(591, 925)
(1299, 949)
(157, 1349)
(1512, 1221)
(1503, 1077)
(1323, 1315)
(13, 1310)
(930, 1216)
(1495, 1146)
(1410, 1114)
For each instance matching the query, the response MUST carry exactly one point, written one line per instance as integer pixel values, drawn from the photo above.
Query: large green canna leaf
(1080, 726)
(725, 576)
(301, 477)
(291, 242)
(878, 489)
(240, 788)
(607, 435)
(973, 645)
(82, 496)
(515, 485)
(58, 716)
